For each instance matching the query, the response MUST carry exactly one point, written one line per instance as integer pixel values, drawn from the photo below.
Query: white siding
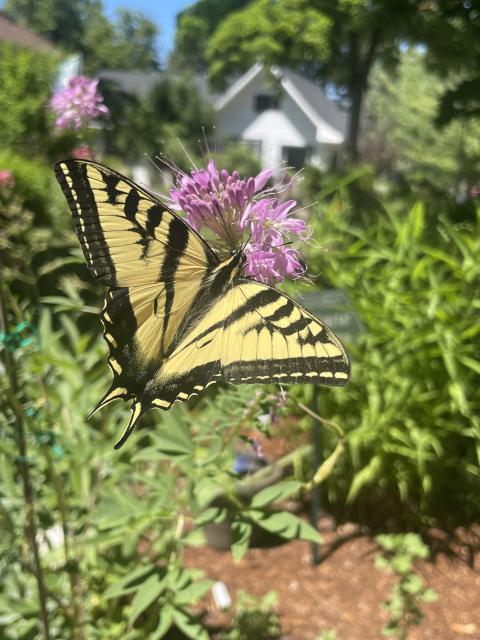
(287, 126)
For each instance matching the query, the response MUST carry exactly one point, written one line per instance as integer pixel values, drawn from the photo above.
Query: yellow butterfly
(177, 318)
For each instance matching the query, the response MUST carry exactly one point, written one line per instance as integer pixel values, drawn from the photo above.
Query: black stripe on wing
(177, 243)
(81, 199)
(288, 371)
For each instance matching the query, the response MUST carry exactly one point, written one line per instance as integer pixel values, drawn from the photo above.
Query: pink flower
(273, 264)
(240, 211)
(7, 181)
(217, 200)
(270, 222)
(82, 152)
(77, 104)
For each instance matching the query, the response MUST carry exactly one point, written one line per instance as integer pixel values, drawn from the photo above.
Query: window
(295, 157)
(263, 102)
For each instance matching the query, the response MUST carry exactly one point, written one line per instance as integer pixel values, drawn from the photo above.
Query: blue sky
(162, 12)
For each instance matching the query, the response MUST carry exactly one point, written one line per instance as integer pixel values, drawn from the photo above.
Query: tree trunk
(356, 98)
(359, 72)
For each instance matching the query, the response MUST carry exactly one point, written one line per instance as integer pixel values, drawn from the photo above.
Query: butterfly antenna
(246, 242)
(215, 147)
(206, 142)
(185, 151)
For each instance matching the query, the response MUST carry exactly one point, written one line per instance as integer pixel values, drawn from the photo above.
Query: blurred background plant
(254, 619)
(404, 604)
(399, 217)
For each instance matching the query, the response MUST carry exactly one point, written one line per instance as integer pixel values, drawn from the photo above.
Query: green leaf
(212, 514)
(194, 592)
(472, 364)
(401, 563)
(275, 493)
(164, 623)
(189, 625)
(365, 476)
(129, 582)
(381, 562)
(286, 525)
(241, 534)
(413, 584)
(429, 595)
(174, 442)
(150, 590)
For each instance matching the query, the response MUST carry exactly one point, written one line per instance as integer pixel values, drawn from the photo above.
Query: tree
(331, 41)
(25, 87)
(402, 134)
(195, 25)
(174, 110)
(452, 34)
(82, 26)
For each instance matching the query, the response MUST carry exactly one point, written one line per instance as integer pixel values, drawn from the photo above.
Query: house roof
(138, 83)
(328, 118)
(141, 83)
(17, 34)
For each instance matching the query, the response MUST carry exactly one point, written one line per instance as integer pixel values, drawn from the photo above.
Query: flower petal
(262, 178)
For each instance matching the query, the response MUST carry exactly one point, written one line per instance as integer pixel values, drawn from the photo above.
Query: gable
(240, 117)
(236, 107)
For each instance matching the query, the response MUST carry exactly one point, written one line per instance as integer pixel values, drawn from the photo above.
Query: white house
(283, 116)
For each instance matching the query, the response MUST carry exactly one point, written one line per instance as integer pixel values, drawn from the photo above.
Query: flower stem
(31, 523)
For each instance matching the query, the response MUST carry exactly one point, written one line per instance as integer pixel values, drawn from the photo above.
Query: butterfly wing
(254, 333)
(268, 337)
(152, 261)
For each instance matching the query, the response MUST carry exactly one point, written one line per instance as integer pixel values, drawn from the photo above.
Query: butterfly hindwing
(268, 337)
(252, 334)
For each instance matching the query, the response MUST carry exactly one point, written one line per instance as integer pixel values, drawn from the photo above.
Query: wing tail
(138, 409)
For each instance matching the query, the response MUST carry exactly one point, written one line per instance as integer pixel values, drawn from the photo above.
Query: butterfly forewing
(153, 262)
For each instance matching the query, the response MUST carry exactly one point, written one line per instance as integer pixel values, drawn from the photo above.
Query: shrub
(411, 409)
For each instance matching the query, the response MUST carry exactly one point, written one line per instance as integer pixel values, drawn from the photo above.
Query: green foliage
(236, 156)
(82, 26)
(402, 135)
(195, 25)
(255, 619)
(404, 603)
(410, 411)
(33, 183)
(332, 42)
(112, 526)
(174, 110)
(270, 32)
(25, 87)
(451, 33)
(327, 635)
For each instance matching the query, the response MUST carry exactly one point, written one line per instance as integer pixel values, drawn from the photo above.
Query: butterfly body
(177, 318)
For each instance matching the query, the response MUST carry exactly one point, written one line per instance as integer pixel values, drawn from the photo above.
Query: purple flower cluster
(217, 200)
(78, 103)
(240, 210)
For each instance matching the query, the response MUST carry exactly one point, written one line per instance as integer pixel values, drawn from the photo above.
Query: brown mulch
(345, 591)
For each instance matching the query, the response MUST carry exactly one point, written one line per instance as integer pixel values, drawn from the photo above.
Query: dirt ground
(345, 591)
